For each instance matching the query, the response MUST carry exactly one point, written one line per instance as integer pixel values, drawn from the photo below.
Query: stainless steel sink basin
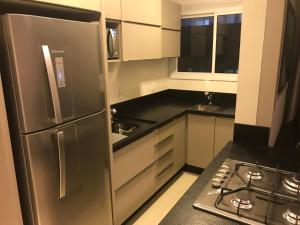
(209, 108)
(124, 128)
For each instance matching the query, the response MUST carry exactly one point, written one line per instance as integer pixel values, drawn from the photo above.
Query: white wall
(262, 33)
(133, 79)
(10, 211)
(271, 62)
(252, 39)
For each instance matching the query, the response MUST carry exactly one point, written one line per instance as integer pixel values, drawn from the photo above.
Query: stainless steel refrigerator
(54, 92)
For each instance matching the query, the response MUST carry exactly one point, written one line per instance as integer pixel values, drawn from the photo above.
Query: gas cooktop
(252, 194)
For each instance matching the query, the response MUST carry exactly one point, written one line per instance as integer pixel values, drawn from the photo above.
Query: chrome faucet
(209, 97)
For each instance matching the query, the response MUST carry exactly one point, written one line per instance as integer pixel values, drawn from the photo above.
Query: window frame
(207, 76)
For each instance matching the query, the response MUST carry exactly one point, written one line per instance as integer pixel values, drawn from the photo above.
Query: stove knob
(216, 184)
(221, 175)
(222, 170)
(217, 179)
(224, 166)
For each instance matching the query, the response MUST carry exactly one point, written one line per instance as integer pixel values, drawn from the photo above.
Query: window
(196, 45)
(210, 44)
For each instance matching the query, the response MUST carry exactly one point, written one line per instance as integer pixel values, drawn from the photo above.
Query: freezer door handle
(62, 164)
(53, 85)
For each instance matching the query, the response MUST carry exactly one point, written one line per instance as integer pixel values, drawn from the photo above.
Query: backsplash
(132, 79)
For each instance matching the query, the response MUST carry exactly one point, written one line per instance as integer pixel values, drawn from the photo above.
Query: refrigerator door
(55, 70)
(69, 173)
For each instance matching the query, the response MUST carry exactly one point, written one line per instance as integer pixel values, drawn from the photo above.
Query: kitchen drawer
(164, 175)
(164, 132)
(133, 194)
(163, 162)
(164, 146)
(132, 159)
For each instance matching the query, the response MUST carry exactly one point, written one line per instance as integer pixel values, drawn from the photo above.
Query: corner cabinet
(200, 149)
(170, 24)
(207, 135)
(170, 43)
(145, 11)
(94, 5)
(140, 41)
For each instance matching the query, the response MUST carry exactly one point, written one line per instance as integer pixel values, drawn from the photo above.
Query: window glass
(196, 45)
(228, 43)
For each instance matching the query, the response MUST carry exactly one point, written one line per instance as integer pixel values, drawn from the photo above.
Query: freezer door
(55, 70)
(68, 174)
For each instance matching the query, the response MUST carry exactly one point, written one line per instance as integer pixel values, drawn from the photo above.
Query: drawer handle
(164, 170)
(165, 154)
(163, 141)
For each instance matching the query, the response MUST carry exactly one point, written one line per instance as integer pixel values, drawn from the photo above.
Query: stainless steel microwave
(113, 51)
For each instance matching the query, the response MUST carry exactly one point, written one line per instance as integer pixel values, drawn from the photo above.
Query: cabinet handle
(164, 170)
(163, 141)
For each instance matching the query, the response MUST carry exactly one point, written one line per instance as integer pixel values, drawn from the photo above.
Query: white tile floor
(155, 210)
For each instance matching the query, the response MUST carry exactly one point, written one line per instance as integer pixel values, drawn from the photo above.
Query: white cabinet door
(94, 5)
(223, 133)
(200, 140)
(132, 159)
(140, 42)
(170, 17)
(179, 142)
(112, 9)
(142, 11)
(170, 43)
(133, 194)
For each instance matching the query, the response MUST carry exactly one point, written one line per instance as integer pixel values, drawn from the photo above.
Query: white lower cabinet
(133, 194)
(132, 159)
(139, 170)
(223, 133)
(207, 135)
(200, 140)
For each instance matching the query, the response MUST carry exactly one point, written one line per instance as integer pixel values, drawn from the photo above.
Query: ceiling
(196, 2)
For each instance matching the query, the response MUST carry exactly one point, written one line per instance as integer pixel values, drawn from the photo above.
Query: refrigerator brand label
(60, 72)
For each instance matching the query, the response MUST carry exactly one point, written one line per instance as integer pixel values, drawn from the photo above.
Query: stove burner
(253, 173)
(242, 200)
(292, 183)
(292, 215)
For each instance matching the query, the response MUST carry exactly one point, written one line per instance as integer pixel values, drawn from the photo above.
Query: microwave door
(110, 44)
(56, 71)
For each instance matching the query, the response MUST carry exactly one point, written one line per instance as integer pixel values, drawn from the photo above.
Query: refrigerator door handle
(62, 164)
(53, 85)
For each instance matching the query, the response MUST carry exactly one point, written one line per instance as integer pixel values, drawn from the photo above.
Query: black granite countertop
(183, 212)
(153, 111)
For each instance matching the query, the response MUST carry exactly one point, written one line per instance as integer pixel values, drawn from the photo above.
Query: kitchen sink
(209, 108)
(124, 128)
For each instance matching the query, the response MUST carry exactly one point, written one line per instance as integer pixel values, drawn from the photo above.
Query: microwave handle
(110, 44)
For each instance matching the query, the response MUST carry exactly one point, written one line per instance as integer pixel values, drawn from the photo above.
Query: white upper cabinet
(94, 5)
(140, 42)
(170, 18)
(112, 9)
(170, 43)
(142, 11)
